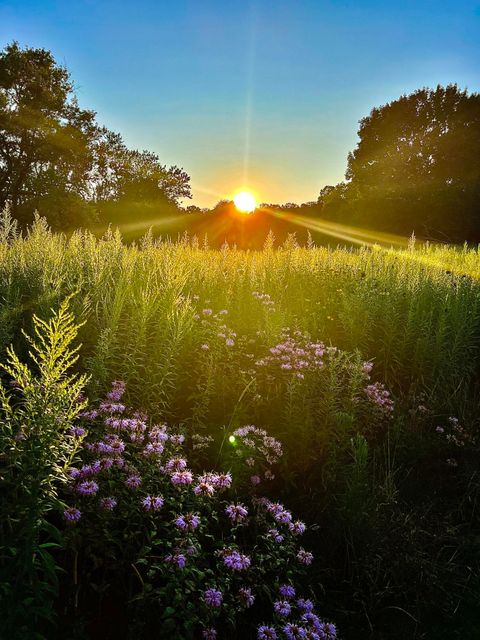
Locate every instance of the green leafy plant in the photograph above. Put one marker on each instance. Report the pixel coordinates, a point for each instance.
(38, 406)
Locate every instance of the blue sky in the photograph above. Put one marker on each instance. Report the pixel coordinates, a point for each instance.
(259, 93)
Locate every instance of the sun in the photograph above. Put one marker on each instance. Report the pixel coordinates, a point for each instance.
(245, 201)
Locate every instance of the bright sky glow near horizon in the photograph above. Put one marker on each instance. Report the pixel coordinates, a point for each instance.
(257, 94)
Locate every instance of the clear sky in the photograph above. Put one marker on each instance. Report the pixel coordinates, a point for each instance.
(259, 93)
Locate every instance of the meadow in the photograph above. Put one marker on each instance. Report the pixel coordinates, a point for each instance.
(361, 364)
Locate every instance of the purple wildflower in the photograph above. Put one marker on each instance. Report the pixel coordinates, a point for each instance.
(176, 464)
(294, 631)
(287, 591)
(72, 514)
(297, 528)
(236, 561)
(188, 522)
(152, 503)
(178, 559)
(246, 597)
(209, 634)
(77, 432)
(213, 598)
(87, 488)
(266, 633)
(304, 557)
(108, 503)
(236, 512)
(204, 489)
(305, 606)
(278, 537)
(282, 608)
(133, 481)
(182, 477)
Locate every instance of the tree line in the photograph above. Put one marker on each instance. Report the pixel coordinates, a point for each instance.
(416, 167)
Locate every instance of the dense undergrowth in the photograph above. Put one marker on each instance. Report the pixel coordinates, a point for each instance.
(362, 363)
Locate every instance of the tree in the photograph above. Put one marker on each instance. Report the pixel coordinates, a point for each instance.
(45, 138)
(418, 164)
(120, 174)
(428, 138)
(54, 157)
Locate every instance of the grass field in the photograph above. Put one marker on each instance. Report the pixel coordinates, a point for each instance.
(362, 362)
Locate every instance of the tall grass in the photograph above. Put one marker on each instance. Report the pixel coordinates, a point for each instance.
(415, 312)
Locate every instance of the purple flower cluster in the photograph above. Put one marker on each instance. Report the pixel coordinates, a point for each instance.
(295, 354)
(257, 441)
(72, 514)
(178, 559)
(127, 452)
(213, 598)
(152, 503)
(265, 299)
(378, 395)
(236, 512)
(235, 560)
(308, 625)
(246, 597)
(188, 522)
(454, 433)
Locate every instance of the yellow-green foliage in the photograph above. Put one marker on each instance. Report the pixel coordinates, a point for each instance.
(415, 311)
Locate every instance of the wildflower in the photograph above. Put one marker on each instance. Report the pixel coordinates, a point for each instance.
(178, 559)
(209, 634)
(152, 503)
(72, 514)
(77, 432)
(207, 312)
(282, 608)
(327, 631)
(278, 537)
(213, 598)
(182, 477)
(87, 488)
(118, 389)
(108, 503)
(439, 429)
(177, 438)
(266, 633)
(112, 407)
(452, 462)
(304, 557)
(205, 347)
(246, 597)
(176, 464)
(283, 516)
(133, 481)
(236, 512)
(297, 528)
(306, 606)
(294, 631)
(153, 449)
(204, 489)
(188, 522)
(255, 480)
(229, 342)
(223, 480)
(236, 561)
(287, 591)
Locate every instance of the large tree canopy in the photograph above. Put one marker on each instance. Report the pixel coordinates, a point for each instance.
(416, 168)
(428, 139)
(53, 155)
